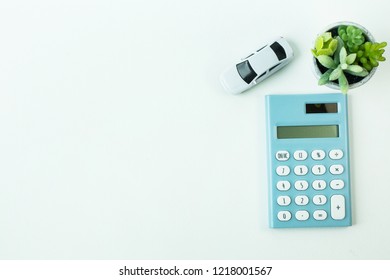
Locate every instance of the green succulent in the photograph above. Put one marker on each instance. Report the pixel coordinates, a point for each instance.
(342, 63)
(352, 36)
(325, 45)
(369, 54)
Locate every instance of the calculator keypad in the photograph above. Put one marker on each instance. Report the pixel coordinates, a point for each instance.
(313, 195)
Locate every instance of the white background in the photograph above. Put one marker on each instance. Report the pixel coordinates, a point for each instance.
(118, 142)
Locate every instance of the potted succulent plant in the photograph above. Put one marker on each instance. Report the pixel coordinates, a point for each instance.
(346, 56)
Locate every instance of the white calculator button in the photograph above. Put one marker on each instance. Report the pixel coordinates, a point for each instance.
(337, 207)
(300, 170)
(301, 185)
(302, 215)
(319, 199)
(283, 170)
(320, 215)
(336, 154)
(301, 200)
(300, 155)
(318, 154)
(284, 216)
(283, 200)
(336, 169)
(318, 169)
(282, 155)
(337, 184)
(319, 185)
(283, 185)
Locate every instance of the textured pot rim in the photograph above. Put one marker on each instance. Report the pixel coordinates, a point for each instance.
(317, 71)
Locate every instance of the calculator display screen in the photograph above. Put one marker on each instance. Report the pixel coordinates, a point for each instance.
(321, 108)
(307, 131)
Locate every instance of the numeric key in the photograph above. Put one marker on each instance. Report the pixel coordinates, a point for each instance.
(301, 200)
(283, 185)
(301, 185)
(300, 170)
(283, 200)
(318, 169)
(283, 170)
(284, 216)
(319, 199)
(319, 185)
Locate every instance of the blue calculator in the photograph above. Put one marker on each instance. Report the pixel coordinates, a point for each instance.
(308, 160)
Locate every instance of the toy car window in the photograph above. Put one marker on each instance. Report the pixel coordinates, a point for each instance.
(248, 56)
(279, 51)
(273, 67)
(246, 71)
(260, 76)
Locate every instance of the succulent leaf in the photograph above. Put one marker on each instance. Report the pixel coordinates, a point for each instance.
(363, 73)
(343, 55)
(327, 52)
(326, 61)
(324, 79)
(327, 36)
(352, 36)
(343, 83)
(336, 73)
(333, 45)
(319, 43)
(324, 45)
(369, 54)
(351, 58)
(340, 44)
(355, 68)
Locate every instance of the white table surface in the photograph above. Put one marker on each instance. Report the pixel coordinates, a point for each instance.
(118, 142)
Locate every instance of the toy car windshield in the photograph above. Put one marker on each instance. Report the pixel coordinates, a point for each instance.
(246, 71)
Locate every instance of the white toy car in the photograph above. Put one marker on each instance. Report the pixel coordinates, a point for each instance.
(257, 66)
